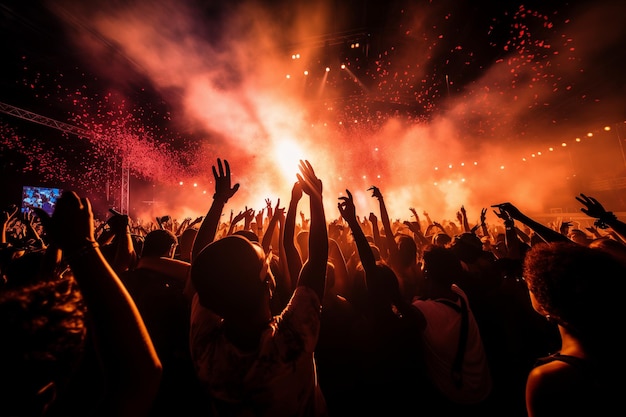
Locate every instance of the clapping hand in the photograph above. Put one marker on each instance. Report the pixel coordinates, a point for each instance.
(311, 185)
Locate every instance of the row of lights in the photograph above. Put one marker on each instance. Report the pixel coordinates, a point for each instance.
(327, 69)
(533, 155)
(462, 164)
(564, 144)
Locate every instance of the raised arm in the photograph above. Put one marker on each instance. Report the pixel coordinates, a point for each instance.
(512, 241)
(269, 235)
(348, 212)
(129, 361)
(543, 231)
(313, 273)
(605, 219)
(462, 218)
(223, 192)
(294, 262)
(239, 217)
(416, 227)
(5, 218)
(390, 240)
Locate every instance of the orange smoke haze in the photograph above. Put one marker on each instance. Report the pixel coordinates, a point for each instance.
(235, 81)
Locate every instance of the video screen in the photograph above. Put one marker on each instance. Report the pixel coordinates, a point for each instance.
(42, 197)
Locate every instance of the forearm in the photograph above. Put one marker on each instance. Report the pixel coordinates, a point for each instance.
(269, 234)
(313, 273)
(318, 235)
(208, 228)
(129, 359)
(544, 232)
(618, 227)
(125, 256)
(390, 240)
(363, 247)
(294, 263)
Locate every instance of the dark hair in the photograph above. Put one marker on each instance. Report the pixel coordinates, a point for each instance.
(442, 266)
(226, 275)
(407, 250)
(581, 287)
(158, 243)
(467, 246)
(248, 234)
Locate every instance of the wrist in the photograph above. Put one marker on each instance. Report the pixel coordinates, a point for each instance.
(605, 220)
(78, 252)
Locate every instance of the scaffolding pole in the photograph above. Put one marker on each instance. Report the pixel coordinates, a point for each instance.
(67, 128)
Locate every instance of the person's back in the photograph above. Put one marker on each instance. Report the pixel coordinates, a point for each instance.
(249, 361)
(238, 356)
(339, 351)
(159, 296)
(452, 340)
(580, 290)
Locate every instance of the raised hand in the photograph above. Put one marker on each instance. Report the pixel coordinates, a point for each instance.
(71, 226)
(512, 211)
(196, 221)
(8, 214)
(375, 192)
(347, 209)
(503, 214)
(592, 208)
(223, 189)
(240, 216)
(268, 205)
(564, 227)
(249, 216)
(414, 226)
(296, 191)
(311, 185)
(118, 223)
(259, 218)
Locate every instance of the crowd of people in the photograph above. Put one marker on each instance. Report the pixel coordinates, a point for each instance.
(274, 314)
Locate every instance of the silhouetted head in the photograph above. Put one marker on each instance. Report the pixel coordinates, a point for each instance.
(467, 247)
(159, 242)
(185, 243)
(612, 246)
(248, 234)
(581, 288)
(579, 237)
(441, 266)
(383, 286)
(441, 239)
(231, 276)
(407, 250)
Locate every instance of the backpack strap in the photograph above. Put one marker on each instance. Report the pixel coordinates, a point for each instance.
(457, 365)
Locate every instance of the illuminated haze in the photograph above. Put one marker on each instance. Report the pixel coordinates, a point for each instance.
(474, 117)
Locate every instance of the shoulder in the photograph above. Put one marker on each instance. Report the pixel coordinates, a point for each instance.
(557, 387)
(301, 317)
(560, 380)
